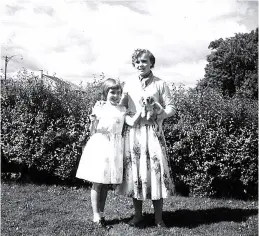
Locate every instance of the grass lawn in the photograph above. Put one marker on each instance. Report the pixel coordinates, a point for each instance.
(30, 209)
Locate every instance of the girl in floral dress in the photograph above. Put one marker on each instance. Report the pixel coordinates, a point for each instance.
(102, 159)
(146, 174)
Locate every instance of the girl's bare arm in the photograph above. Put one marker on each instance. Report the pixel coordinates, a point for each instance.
(133, 121)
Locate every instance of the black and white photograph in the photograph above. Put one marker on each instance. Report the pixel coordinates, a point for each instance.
(129, 117)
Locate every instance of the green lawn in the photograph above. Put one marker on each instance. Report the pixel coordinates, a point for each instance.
(30, 209)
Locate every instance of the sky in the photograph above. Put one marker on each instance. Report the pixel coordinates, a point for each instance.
(77, 40)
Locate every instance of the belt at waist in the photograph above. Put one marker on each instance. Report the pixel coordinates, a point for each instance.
(107, 133)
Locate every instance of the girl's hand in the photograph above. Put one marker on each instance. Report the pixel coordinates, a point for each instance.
(158, 109)
(83, 139)
(133, 121)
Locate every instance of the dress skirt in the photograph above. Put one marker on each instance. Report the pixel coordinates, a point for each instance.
(146, 174)
(101, 160)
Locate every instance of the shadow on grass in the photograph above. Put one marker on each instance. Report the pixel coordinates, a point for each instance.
(41, 179)
(194, 218)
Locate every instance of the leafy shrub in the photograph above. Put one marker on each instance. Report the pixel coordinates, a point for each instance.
(42, 125)
(212, 143)
(212, 140)
(233, 65)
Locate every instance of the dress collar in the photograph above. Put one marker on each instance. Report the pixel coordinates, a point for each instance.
(146, 80)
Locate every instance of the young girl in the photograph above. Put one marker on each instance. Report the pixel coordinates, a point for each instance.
(102, 159)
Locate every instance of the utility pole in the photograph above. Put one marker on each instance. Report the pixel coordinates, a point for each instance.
(7, 59)
(41, 74)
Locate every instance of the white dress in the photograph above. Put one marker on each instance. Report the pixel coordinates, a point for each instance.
(102, 157)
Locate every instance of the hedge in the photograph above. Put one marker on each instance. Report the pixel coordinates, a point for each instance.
(42, 126)
(211, 141)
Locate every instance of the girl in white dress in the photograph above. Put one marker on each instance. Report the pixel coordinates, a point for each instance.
(102, 159)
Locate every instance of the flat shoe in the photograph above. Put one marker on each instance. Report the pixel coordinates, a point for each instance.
(99, 223)
(103, 222)
(133, 222)
(161, 224)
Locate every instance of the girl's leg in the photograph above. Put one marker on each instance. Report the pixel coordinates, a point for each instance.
(103, 196)
(138, 212)
(158, 208)
(95, 199)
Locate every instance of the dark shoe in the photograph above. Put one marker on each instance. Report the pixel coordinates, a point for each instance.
(160, 224)
(135, 221)
(104, 224)
(102, 221)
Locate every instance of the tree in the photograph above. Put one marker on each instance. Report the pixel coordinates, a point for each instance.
(233, 64)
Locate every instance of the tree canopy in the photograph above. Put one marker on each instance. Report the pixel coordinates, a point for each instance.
(233, 64)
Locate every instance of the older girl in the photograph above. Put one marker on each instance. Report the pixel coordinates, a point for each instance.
(146, 171)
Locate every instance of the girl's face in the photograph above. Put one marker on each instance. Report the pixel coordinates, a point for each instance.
(114, 96)
(143, 64)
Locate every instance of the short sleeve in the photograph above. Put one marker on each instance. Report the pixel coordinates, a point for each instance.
(166, 95)
(97, 108)
(124, 99)
(124, 96)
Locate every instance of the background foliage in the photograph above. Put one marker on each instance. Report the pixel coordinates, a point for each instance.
(213, 143)
(43, 125)
(233, 65)
(212, 140)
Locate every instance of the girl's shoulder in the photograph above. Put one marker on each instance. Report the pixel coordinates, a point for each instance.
(158, 81)
(161, 85)
(100, 103)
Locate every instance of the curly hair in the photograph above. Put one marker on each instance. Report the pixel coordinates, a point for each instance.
(110, 84)
(138, 52)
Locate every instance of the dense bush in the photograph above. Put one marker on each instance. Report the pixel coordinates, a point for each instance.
(42, 125)
(212, 140)
(233, 65)
(213, 143)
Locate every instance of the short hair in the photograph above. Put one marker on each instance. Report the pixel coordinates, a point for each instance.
(138, 52)
(110, 84)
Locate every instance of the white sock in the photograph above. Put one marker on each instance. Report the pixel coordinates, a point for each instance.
(97, 217)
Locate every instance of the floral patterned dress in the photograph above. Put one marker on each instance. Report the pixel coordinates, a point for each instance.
(102, 157)
(146, 174)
